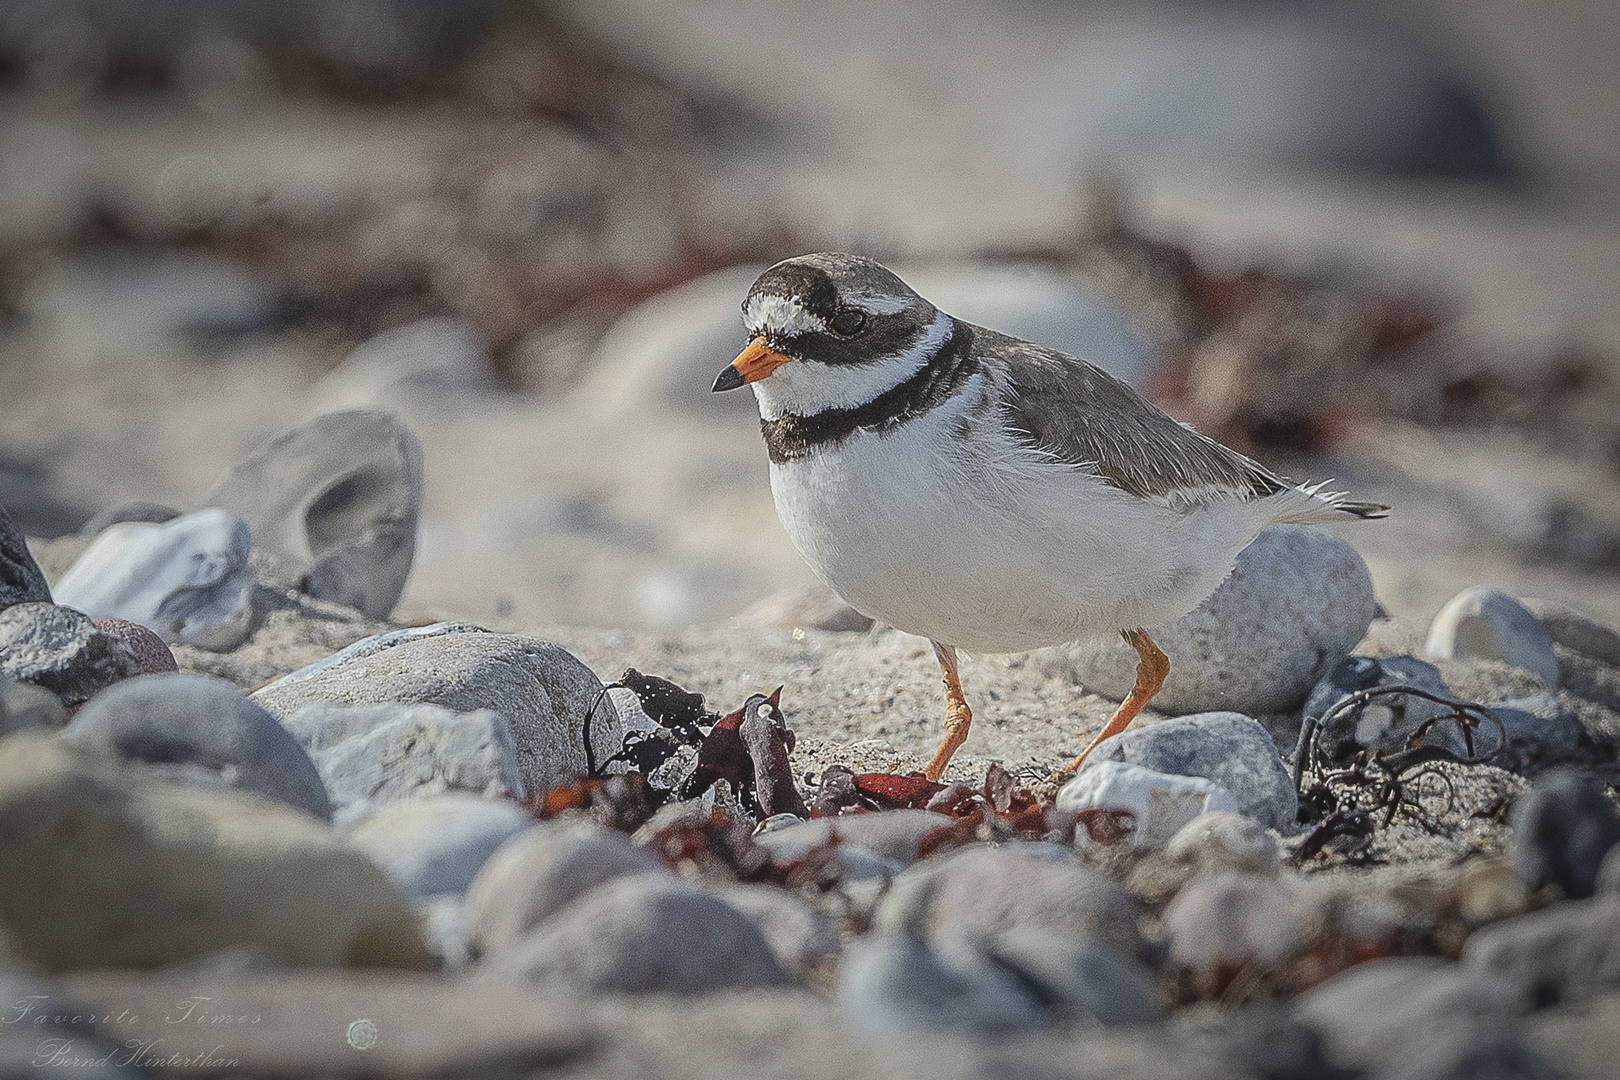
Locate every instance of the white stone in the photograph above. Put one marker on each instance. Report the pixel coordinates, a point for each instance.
(1162, 803)
(1487, 624)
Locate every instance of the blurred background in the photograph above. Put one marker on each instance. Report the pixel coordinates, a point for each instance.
(1376, 241)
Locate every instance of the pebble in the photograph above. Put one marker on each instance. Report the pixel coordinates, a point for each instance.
(1487, 624)
(188, 579)
(150, 650)
(89, 848)
(542, 690)
(1540, 732)
(1388, 721)
(1230, 750)
(1562, 953)
(1573, 630)
(1160, 803)
(21, 580)
(60, 650)
(891, 835)
(372, 755)
(1222, 922)
(1382, 1013)
(1562, 828)
(437, 845)
(193, 729)
(333, 505)
(981, 891)
(643, 934)
(1225, 841)
(805, 607)
(541, 871)
(893, 983)
(23, 706)
(430, 363)
(1299, 599)
(801, 938)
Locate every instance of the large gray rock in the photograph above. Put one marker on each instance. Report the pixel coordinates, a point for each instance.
(21, 580)
(432, 362)
(1299, 599)
(1226, 748)
(1160, 804)
(1488, 624)
(103, 866)
(644, 934)
(437, 845)
(541, 689)
(801, 938)
(334, 505)
(201, 731)
(60, 650)
(372, 755)
(188, 579)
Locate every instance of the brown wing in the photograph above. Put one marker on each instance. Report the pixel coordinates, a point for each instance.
(1080, 414)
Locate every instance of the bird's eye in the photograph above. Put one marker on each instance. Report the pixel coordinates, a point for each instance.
(849, 321)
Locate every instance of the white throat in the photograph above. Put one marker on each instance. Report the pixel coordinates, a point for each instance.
(804, 387)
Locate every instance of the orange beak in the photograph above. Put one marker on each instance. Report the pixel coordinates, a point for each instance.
(756, 362)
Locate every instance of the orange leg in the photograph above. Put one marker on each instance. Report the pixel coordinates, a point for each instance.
(957, 714)
(1150, 673)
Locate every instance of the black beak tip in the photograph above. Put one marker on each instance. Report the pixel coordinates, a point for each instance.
(728, 379)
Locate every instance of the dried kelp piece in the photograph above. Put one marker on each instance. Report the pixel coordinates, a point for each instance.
(670, 706)
(765, 735)
(837, 794)
(887, 791)
(718, 846)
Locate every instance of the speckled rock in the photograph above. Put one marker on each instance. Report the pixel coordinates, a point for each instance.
(21, 580)
(1228, 749)
(1299, 599)
(188, 579)
(1487, 624)
(1159, 803)
(437, 845)
(543, 692)
(103, 866)
(150, 650)
(60, 650)
(200, 731)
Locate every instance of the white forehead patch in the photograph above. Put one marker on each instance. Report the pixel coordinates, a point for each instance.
(766, 314)
(879, 303)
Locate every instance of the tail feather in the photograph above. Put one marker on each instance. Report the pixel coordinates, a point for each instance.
(1321, 507)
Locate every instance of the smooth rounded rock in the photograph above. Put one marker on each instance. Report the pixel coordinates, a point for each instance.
(540, 872)
(1488, 624)
(334, 505)
(890, 984)
(197, 730)
(1563, 953)
(21, 580)
(188, 579)
(372, 755)
(427, 363)
(1298, 600)
(103, 866)
(1562, 829)
(1083, 981)
(23, 706)
(150, 651)
(1230, 750)
(891, 835)
(801, 938)
(1225, 841)
(60, 650)
(1227, 920)
(1159, 803)
(541, 689)
(644, 934)
(437, 845)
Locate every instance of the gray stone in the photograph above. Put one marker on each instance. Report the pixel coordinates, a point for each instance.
(809, 607)
(1159, 803)
(372, 755)
(981, 891)
(334, 505)
(102, 865)
(890, 984)
(1573, 630)
(1228, 920)
(1299, 599)
(369, 646)
(1388, 721)
(21, 580)
(60, 650)
(433, 362)
(1223, 841)
(891, 835)
(196, 730)
(1381, 1012)
(1083, 982)
(1566, 952)
(438, 845)
(1562, 828)
(1487, 624)
(801, 938)
(1228, 749)
(540, 872)
(644, 934)
(541, 689)
(188, 579)
(1540, 732)
(23, 706)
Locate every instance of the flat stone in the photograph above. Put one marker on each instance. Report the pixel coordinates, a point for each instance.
(60, 650)
(1230, 750)
(1562, 829)
(1228, 920)
(150, 650)
(192, 729)
(1388, 721)
(437, 845)
(187, 579)
(541, 871)
(374, 1024)
(643, 934)
(1488, 624)
(892, 983)
(1159, 803)
(1299, 599)
(103, 866)
(542, 690)
(334, 505)
(807, 607)
(23, 706)
(430, 363)
(373, 755)
(21, 580)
